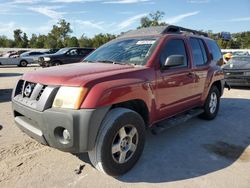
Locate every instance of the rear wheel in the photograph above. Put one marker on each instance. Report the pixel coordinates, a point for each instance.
(212, 104)
(23, 63)
(119, 143)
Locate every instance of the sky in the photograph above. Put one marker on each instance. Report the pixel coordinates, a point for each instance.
(91, 17)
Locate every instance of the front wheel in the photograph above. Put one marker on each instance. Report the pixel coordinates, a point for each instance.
(23, 63)
(119, 143)
(212, 104)
(56, 63)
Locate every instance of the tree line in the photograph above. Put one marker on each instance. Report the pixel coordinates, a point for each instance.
(60, 36)
(239, 41)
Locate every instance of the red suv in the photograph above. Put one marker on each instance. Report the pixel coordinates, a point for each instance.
(148, 78)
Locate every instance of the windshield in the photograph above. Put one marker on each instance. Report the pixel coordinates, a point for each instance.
(24, 54)
(125, 51)
(62, 51)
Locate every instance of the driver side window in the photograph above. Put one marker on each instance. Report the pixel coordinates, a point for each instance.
(174, 47)
(72, 52)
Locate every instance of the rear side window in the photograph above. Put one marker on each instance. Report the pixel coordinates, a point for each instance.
(84, 51)
(204, 53)
(214, 49)
(174, 47)
(198, 51)
(36, 53)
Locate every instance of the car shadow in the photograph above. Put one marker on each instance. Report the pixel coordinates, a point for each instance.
(5, 95)
(195, 148)
(240, 87)
(10, 74)
(83, 157)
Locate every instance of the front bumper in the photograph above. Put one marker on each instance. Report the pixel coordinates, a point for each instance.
(44, 63)
(46, 127)
(237, 77)
(238, 81)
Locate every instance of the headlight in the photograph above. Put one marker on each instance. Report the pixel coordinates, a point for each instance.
(46, 58)
(69, 97)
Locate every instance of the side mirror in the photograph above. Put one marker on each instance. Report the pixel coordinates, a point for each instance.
(174, 60)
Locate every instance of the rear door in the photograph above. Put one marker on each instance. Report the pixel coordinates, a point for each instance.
(174, 85)
(200, 62)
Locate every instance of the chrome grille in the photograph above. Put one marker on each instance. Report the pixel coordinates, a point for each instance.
(40, 97)
(28, 88)
(41, 92)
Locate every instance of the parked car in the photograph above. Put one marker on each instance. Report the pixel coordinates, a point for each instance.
(237, 71)
(29, 57)
(64, 56)
(7, 54)
(240, 53)
(12, 53)
(9, 61)
(153, 78)
(12, 58)
(16, 54)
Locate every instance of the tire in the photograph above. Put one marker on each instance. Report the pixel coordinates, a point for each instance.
(56, 63)
(23, 63)
(212, 104)
(46, 64)
(123, 129)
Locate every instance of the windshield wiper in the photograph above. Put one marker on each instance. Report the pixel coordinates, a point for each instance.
(101, 61)
(107, 61)
(114, 62)
(110, 61)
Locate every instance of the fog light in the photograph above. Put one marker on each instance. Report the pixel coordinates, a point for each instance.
(62, 135)
(66, 135)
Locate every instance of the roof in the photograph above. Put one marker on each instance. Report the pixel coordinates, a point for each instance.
(159, 30)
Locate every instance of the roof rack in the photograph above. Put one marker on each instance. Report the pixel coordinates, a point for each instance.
(161, 30)
(177, 29)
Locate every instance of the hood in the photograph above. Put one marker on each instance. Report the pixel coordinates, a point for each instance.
(237, 65)
(77, 74)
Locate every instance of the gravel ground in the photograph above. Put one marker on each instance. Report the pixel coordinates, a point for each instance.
(195, 154)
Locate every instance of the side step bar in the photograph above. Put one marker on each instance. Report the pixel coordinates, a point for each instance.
(176, 120)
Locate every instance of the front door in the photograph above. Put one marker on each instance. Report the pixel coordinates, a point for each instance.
(175, 84)
(72, 56)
